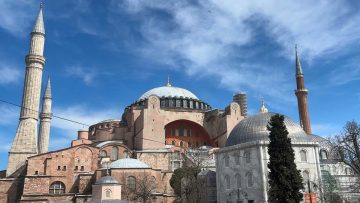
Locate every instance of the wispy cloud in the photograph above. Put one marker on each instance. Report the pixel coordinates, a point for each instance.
(86, 74)
(82, 114)
(16, 16)
(326, 129)
(210, 39)
(346, 73)
(9, 75)
(8, 114)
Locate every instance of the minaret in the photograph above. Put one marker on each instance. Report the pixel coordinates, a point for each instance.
(25, 141)
(45, 119)
(301, 94)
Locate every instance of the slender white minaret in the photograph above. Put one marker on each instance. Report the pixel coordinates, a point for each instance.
(45, 119)
(25, 141)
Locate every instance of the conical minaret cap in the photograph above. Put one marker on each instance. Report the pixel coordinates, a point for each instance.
(48, 90)
(297, 62)
(263, 108)
(39, 24)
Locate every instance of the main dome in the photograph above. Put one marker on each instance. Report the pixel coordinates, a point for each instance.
(169, 91)
(254, 128)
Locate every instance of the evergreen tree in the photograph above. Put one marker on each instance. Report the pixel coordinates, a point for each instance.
(284, 179)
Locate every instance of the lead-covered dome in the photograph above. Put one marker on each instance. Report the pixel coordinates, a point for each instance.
(254, 128)
(169, 91)
(128, 163)
(107, 180)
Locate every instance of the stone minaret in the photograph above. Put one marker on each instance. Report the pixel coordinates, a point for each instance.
(301, 94)
(25, 141)
(45, 119)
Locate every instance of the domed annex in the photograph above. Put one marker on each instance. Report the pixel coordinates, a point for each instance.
(254, 128)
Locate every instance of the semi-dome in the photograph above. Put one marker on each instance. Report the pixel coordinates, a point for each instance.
(107, 180)
(254, 128)
(169, 91)
(128, 163)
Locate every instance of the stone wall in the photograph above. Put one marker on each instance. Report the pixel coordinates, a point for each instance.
(10, 189)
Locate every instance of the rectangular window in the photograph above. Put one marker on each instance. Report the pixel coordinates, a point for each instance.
(64, 168)
(191, 104)
(36, 172)
(82, 168)
(181, 132)
(76, 168)
(178, 103)
(189, 132)
(173, 132)
(59, 168)
(185, 103)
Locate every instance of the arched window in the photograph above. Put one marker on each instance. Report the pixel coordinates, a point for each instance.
(303, 157)
(238, 180)
(237, 158)
(181, 144)
(103, 154)
(305, 175)
(114, 153)
(227, 182)
(226, 160)
(107, 193)
(131, 183)
(348, 171)
(189, 144)
(249, 179)
(126, 154)
(323, 154)
(247, 157)
(153, 184)
(173, 142)
(56, 188)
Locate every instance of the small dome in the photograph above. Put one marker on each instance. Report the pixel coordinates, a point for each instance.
(128, 163)
(254, 128)
(168, 91)
(107, 180)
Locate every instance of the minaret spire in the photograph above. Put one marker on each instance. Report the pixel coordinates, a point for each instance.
(45, 120)
(301, 94)
(39, 24)
(263, 108)
(25, 141)
(297, 62)
(168, 84)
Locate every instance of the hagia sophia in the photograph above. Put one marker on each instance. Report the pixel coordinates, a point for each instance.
(154, 136)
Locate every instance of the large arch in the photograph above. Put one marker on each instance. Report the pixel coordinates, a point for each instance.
(186, 134)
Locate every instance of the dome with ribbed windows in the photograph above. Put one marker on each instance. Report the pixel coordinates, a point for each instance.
(169, 91)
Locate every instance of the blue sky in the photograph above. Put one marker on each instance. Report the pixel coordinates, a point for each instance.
(102, 55)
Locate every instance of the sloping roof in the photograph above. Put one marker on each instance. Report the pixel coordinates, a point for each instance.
(128, 163)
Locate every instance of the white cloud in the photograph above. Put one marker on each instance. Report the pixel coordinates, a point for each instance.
(8, 114)
(325, 129)
(16, 16)
(9, 75)
(208, 38)
(81, 114)
(85, 74)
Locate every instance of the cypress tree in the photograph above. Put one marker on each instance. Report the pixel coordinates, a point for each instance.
(285, 180)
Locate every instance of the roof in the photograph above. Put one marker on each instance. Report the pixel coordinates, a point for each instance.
(39, 24)
(254, 128)
(128, 163)
(101, 144)
(107, 180)
(168, 91)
